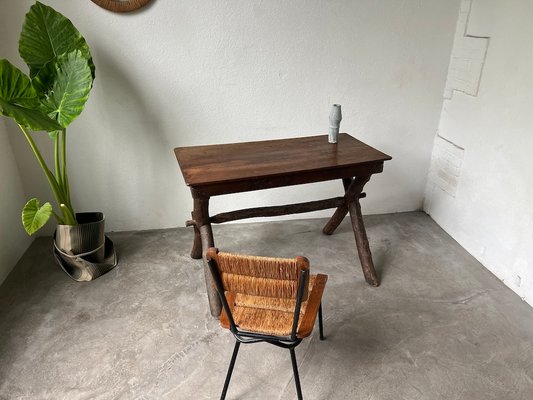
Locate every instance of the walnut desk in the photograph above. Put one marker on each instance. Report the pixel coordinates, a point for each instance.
(240, 167)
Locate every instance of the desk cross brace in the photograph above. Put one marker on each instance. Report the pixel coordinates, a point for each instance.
(274, 211)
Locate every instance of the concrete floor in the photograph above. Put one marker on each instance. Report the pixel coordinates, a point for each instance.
(439, 327)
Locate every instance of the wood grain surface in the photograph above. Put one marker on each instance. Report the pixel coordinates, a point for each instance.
(214, 164)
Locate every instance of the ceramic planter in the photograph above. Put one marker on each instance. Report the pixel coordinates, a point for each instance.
(83, 251)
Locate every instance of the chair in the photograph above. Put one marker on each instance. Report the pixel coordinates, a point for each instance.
(264, 299)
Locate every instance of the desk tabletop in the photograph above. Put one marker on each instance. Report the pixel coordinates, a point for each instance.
(214, 164)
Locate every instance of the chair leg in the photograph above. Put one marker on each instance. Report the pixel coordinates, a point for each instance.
(296, 375)
(320, 324)
(230, 369)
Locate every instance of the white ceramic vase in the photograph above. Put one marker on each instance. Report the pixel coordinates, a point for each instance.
(335, 117)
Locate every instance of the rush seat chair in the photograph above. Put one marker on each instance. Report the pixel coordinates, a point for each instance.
(265, 299)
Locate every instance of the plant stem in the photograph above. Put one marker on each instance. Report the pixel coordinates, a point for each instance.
(64, 176)
(51, 179)
(69, 218)
(58, 218)
(56, 160)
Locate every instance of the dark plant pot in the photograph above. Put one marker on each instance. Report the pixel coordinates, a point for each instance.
(83, 251)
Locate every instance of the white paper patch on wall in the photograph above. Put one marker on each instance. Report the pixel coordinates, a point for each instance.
(446, 164)
(468, 57)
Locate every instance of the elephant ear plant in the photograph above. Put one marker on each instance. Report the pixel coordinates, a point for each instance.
(61, 74)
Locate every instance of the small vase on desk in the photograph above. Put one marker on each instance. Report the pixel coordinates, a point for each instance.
(335, 117)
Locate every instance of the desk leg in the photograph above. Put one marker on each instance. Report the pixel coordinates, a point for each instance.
(339, 214)
(363, 248)
(201, 216)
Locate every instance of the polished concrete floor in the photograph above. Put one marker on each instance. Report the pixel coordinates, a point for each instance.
(439, 327)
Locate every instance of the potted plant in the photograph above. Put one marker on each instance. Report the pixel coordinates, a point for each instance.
(61, 74)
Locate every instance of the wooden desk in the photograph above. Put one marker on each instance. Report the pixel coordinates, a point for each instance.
(240, 167)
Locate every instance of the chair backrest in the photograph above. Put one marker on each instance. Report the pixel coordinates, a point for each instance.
(260, 276)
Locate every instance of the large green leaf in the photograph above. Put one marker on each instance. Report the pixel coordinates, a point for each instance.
(63, 87)
(34, 216)
(15, 85)
(47, 34)
(19, 100)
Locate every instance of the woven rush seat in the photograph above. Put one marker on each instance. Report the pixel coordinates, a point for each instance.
(274, 316)
(267, 299)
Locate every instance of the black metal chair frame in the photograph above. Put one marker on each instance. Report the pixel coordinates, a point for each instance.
(286, 342)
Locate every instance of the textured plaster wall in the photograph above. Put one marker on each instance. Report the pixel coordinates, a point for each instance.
(479, 188)
(186, 73)
(13, 239)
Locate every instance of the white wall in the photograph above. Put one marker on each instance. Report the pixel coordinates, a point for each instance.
(13, 240)
(479, 189)
(186, 73)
